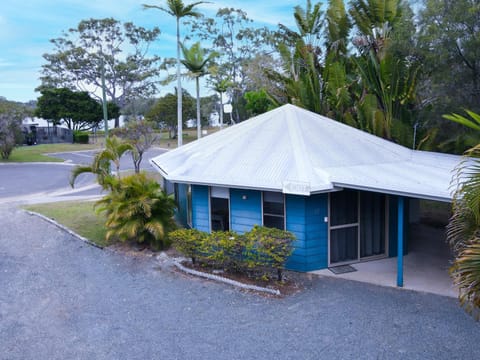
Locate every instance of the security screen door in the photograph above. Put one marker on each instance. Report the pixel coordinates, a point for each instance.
(343, 226)
(357, 226)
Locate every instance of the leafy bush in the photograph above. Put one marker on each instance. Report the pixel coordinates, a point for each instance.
(188, 242)
(224, 249)
(260, 249)
(138, 210)
(269, 247)
(80, 137)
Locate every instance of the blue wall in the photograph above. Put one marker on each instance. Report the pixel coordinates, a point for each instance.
(245, 213)
(305, 219)
(200, 208)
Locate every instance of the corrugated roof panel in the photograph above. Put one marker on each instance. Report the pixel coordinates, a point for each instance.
(291, 149)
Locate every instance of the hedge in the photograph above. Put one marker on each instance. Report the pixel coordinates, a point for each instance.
(80, 137)
(259, 249)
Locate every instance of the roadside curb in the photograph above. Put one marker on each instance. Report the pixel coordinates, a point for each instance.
(64, 228)
(224, 280)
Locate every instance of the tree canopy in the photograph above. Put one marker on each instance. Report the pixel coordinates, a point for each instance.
(74, 108)
(107, 46)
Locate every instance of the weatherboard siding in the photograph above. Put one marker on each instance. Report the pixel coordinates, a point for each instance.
(305, 219)
(200, 208)
(245, 209)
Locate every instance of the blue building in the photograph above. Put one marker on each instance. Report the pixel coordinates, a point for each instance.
(345, 194)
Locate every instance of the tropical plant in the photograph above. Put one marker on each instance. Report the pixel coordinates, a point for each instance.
(179, 10)
(137, 210)
(473, 123)
(463, 230)
(221, 86)
(196, 61)
(114, 149)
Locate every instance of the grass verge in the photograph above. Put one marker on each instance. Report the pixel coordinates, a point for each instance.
(36, 153)
(78, 216)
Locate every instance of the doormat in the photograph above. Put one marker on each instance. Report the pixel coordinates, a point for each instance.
(342, 269)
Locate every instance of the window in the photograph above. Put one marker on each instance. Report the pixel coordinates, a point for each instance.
(220, 209)
(273, 210)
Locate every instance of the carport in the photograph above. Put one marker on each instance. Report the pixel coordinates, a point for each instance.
(426, 263)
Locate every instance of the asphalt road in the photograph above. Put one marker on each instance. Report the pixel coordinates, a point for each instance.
(63, 299)
(33, 182)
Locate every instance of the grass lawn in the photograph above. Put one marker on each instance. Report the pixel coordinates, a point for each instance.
(36, 153)
(77, 216)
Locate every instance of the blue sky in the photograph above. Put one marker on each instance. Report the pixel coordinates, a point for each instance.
(27, 26)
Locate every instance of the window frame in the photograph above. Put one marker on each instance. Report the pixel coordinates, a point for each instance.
(284, 216)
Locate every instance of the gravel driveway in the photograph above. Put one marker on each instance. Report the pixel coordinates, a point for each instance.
(62, 299)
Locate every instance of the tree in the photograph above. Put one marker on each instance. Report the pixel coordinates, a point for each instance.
(75, 108)
(97, 46)
(163, 112)
(177, 9)
(140, 135)
(231, 34)
(258, 102)
(11, 116)
(196, 61)
(449, 46)
(301, 63)
(221, 86)
(464, 226)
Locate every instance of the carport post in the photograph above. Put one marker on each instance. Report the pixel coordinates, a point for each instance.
(400, 242)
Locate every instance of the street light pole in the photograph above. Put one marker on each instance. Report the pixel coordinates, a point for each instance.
(104, 98)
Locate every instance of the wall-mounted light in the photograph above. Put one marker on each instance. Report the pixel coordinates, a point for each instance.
(244, 197)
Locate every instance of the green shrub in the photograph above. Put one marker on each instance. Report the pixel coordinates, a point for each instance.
(259, 249)
(80, 137)
(188, 242)
(138, 210)
(223, 249)
(268, 247)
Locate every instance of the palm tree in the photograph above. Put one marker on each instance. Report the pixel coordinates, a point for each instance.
(463, 230)
(114, 149)
(137, 209)
(221, 86)
(196, 64)
(179, 10)
(375, 20)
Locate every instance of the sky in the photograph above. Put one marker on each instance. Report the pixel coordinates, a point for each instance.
(27, 26)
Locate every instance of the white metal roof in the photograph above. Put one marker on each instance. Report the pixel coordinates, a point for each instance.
(293, 150)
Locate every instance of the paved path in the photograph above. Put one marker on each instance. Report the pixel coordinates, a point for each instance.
(63, 299)
(46, 182)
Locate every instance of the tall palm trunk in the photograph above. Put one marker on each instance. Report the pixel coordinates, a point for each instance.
(179, 91)
(199, 122)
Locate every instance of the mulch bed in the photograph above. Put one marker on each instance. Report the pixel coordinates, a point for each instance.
(292, 282)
